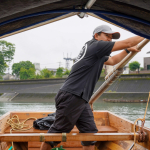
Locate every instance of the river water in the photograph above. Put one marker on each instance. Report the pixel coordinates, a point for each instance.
(130, 111)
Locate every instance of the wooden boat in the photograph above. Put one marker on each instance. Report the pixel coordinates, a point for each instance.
(114, 133)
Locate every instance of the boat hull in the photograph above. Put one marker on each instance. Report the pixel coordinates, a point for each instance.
(114, 133)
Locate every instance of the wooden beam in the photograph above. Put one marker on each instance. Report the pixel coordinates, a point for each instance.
(70, 137)
(122, 124)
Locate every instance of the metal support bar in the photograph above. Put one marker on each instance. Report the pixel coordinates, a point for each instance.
(87, 6)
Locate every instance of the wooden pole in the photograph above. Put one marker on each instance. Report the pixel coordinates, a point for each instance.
(114, 74)
(36, 137)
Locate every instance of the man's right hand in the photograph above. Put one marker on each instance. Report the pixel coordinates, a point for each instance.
(133, 49)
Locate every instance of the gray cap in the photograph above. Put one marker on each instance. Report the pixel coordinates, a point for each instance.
(106, 29)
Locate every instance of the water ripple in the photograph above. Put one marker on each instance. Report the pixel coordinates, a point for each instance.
(130, 111)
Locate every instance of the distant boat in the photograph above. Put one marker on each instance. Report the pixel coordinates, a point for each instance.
(124, 101)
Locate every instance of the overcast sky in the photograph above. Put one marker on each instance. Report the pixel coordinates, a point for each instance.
(48, 44)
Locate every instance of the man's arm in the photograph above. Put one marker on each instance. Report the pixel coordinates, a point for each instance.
(130, 42)
(117, 58)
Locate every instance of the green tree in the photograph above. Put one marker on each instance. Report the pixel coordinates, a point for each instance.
(1, 78)
(59, 72)
(67, 72)
(31, 73)
(2, 63)
(47, 73)
(38, 76)
(27, 73)
(23, 74)
(16, 67)
(134, 65)
(7, 51)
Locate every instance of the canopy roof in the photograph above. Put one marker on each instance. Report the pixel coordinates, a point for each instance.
(21, 15)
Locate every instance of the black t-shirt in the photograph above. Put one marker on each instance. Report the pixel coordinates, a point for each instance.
(87, 68)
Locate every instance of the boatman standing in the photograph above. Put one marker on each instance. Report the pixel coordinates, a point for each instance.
(72, 107)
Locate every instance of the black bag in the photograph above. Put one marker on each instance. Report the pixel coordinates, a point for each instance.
(44, 123)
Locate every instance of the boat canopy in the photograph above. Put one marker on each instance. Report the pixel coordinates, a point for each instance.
(21, 15)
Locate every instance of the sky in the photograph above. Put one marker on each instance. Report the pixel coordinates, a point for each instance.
(49, 44)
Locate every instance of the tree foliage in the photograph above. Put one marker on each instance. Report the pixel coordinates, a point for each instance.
(47, 73)
(16, 67)
(7, 51)
(134, 65)
(1, 78)
(3, 65)
(59, 72)
(38, 76)
(67, 72)
(27, 73)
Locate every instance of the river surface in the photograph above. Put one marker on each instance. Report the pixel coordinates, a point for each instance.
(130, 111)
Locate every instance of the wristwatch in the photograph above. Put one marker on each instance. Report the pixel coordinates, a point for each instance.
(127, 51)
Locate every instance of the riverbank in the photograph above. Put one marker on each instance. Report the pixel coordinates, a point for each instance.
(126, 83)
(126, 88)
(50, 97)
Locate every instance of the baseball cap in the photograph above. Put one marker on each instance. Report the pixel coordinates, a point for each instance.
(106, 29)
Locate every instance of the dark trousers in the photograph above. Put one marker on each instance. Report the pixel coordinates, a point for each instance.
(72, 110)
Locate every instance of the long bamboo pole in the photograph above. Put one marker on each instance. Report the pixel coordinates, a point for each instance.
(112, 76)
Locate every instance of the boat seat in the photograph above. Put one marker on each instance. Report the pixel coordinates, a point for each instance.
(101, 129)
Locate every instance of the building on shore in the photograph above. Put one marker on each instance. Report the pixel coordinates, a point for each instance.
(147, 63)
(126, 69)
(8, 76)
(37, 68)
(52, 69)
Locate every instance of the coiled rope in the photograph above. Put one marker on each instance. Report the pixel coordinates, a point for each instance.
(16, 125)
(143, 121)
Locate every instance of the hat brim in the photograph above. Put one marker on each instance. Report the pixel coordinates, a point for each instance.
(115, 35)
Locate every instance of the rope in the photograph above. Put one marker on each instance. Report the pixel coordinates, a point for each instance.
(142, 119)
(16, 125)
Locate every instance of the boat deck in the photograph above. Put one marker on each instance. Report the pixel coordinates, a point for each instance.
(112, 130)
(102, 128)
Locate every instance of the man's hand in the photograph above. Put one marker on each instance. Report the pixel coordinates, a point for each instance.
(133, 49)
(91, 105)
(117, 58)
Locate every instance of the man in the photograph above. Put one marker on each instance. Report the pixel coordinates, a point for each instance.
(72, 107)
